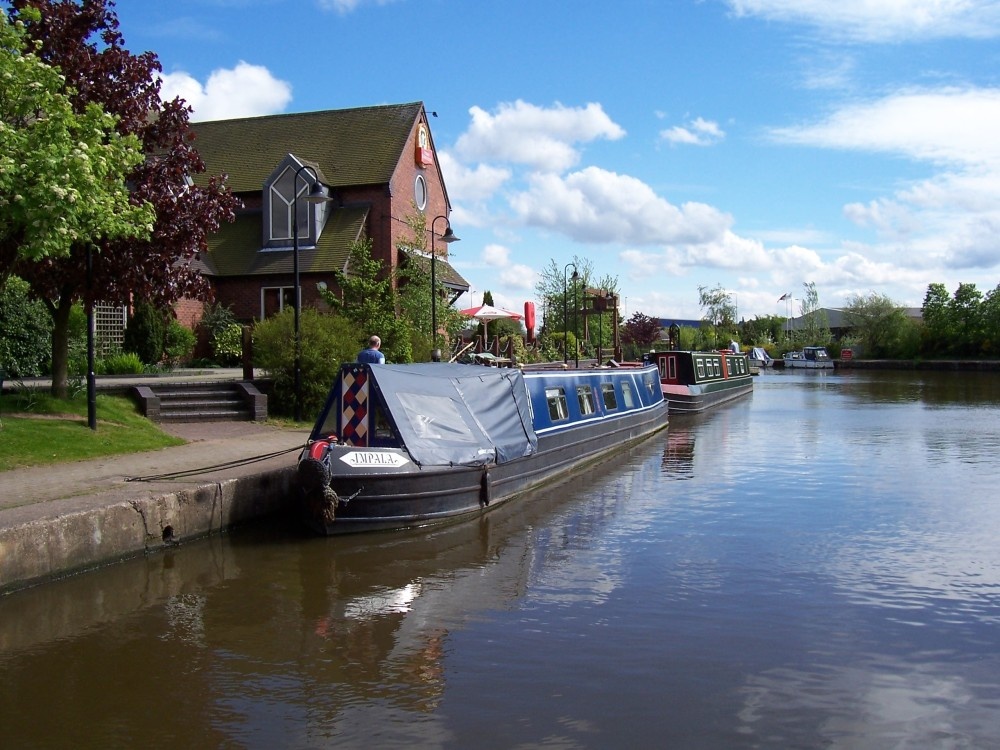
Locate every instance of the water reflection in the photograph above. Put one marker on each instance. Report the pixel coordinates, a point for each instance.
(816, 567)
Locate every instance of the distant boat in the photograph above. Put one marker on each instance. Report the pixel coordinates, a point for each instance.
(809, 358)
(400, 446)
(695, 381)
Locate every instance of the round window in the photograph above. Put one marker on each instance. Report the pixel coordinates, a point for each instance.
(420, 192)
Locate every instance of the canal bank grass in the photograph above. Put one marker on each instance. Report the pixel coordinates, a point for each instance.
(37, 429)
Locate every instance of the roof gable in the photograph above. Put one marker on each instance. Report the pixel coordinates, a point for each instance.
(360, 146)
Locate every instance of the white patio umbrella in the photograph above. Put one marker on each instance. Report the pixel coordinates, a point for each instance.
(486, 313)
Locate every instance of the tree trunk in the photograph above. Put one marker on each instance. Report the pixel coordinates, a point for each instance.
(60, 349)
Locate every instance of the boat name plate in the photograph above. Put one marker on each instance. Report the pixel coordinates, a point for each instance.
(367, 459)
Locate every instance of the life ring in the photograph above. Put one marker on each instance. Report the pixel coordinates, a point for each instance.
(319, 448)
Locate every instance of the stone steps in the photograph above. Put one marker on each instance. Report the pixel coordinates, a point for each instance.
(202, 402)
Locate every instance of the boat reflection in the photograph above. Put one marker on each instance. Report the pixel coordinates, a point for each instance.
(268, 622)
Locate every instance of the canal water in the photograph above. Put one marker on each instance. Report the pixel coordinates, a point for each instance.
(814, 567)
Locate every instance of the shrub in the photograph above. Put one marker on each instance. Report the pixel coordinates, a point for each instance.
(218, 321)
(227, 345)
(25, 331)
(146, 333)
(179, 344)
(122, 363)
(327, 341)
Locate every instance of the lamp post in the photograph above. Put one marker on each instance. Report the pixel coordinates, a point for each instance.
(91, 330)
(565, 317)
(317, 194)
(448, 237)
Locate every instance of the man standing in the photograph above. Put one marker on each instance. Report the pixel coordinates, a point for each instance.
(372, 355)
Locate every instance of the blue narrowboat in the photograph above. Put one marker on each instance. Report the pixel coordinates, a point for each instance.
(399, 446)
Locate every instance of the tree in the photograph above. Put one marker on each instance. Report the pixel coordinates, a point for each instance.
(24, 331)
(413, 285)
(939, 334)
(720, 311)
(368, 300)
(157, 268)
(640, 330)
(816, 327)
(878, 323)
(965, 311)
(561, 294)
(62, 172)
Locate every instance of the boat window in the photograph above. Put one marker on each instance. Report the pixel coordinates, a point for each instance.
(434, 417)
(627, 395)
(608, 394)
(715, 366)
(662, 362)
(699, 363)
(672, 369)
(556, 398)
(585, 395)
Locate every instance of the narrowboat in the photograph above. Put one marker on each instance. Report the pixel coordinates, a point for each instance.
(400, 446)
(809, 358)
(694, 381)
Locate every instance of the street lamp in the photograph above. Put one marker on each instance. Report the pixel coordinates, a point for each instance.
(448, 237)
(317, 194)
(565, 317)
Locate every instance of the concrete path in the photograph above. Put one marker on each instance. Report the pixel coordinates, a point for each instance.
(66, 517)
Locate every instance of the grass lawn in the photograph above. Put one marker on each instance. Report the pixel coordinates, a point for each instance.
(36, 429)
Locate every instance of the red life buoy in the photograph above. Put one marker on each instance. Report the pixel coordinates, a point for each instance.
(319, 448)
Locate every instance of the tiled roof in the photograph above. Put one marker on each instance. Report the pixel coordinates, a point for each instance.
(358, 146)
(444, 273)
(236, 248)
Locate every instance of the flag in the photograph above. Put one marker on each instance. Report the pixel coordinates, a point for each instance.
(784, 296)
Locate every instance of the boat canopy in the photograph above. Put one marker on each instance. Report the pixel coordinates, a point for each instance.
(760, 354)
(453, 414)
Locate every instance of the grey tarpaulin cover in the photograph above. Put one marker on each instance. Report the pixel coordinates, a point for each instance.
(451, 414)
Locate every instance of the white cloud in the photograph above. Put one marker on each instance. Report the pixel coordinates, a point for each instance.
(947, 126)
(343, 7)
(542, 138)
(699, 132)
(594, 206)
(882, 21)
(473, 184)
(244, 91)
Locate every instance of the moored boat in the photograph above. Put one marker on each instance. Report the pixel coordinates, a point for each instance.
(399, 446)
(759, 359)
(694, 381)
(809, 358)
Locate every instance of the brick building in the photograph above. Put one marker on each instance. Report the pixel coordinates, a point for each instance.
(379, 166)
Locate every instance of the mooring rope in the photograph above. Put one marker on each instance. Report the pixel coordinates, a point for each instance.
(214, 467)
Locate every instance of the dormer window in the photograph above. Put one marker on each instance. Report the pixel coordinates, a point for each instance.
(280, 191)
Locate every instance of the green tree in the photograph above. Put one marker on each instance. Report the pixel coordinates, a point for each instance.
(816, 327)
(24, 331)
(719, 311)
(561, 294)
(413, 285)
(938, 331)
(368, 300)
(156, 263)
(965, 310)
(62, 171)
(878, 323)
(991, 321)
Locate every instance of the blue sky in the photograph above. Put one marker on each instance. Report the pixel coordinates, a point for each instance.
(755, 145)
